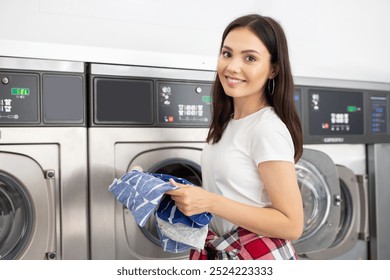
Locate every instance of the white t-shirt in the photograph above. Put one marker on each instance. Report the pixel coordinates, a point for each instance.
(229, 167)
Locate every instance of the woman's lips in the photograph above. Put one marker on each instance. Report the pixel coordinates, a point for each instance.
(233, 81)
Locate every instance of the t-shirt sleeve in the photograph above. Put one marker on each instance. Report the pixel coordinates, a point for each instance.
(272, 141)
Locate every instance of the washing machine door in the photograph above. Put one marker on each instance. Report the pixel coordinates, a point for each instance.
(15, 216)
(26, 209)
(181, 161)
(320, 189)
(353, 219)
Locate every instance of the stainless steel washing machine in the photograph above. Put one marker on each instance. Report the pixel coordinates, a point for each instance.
(43, 160)
(340, 120)
(152, 117)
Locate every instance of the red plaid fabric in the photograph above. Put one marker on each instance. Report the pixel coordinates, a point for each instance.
(241, 244)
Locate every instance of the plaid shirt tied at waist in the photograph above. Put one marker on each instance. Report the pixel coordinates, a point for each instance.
(241, 244)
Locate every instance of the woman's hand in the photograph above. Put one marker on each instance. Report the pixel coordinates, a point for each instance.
(189, 199)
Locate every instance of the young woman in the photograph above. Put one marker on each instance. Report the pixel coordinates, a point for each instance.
(249, 179)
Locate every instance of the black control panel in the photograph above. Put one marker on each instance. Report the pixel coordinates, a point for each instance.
(19, 98)
(183, 103)
(335, 112)
(37, 98)
(133, 101)
(336, 115)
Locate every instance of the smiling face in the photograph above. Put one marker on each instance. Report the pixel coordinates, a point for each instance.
(244, 66)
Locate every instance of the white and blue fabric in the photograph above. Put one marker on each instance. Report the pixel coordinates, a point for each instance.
(144, 194)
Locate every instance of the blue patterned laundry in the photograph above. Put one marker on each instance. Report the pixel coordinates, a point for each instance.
(167, 208)
(143, 192)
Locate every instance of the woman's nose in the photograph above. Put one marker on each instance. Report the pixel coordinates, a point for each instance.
(234, 65)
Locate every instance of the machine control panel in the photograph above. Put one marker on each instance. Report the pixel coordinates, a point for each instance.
(183, 103)
(378, 112)
(334, 113)
(19, 98)
(148, 102)
(338, 115)
(33, 98)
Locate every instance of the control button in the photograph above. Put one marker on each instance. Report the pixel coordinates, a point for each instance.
(198, 90)
(5, 80)
(166, 89)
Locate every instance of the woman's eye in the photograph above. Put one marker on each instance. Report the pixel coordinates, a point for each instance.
(226, 54)
(250, 58)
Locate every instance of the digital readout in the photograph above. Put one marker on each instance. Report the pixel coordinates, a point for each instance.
(20, 91)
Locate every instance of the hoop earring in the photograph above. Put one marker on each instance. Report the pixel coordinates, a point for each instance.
(271, 92)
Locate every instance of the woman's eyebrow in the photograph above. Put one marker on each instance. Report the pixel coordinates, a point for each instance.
(244, 51)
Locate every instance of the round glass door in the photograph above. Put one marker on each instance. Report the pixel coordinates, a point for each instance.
(320, 189)
(315, 197)
(351, 216)
(15, 217)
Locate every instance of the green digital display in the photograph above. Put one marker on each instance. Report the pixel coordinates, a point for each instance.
(207, 99)
(20, 91)
(351, 109)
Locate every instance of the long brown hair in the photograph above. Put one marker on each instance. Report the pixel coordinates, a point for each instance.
(281, 97)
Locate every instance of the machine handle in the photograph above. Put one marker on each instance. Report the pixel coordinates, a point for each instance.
(364, 223)
(51, 253)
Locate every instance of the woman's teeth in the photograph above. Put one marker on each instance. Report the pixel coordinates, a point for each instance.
(232, 80)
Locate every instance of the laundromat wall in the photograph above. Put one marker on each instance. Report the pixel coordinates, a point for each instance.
(328, 40)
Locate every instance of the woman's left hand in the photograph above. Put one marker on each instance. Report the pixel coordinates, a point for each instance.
(189, 199)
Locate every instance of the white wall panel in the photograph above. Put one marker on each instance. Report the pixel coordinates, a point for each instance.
(342, 39)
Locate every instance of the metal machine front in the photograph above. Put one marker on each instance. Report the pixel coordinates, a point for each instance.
(28, 199)
(343, 119)
(155, 118)
(43, 162)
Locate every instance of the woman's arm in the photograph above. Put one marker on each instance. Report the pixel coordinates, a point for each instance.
(284, 219)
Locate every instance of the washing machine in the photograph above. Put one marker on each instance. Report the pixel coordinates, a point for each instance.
(340, 120)
(156, 118)
(43, 160)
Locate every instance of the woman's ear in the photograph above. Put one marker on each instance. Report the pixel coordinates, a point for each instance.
(274, 71)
